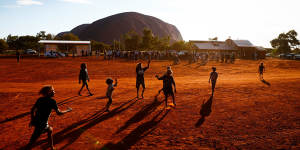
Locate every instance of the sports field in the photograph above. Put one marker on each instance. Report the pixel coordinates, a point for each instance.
(244, 113)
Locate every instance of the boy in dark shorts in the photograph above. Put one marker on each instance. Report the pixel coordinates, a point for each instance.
(40, 114)
(109, 91)
(168, 81)
(261, 70)
(140, 78)
(213, 78)
(84, 77)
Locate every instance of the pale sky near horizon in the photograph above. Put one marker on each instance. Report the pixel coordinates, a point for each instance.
(258, 21)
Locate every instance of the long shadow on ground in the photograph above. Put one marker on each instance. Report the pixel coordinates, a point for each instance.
(265, 82)
(65, 101)
(205, 111)
(139, 116)
(137, 134)
(71, 134)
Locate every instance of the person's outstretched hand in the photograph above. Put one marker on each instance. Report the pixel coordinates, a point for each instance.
(69, 109)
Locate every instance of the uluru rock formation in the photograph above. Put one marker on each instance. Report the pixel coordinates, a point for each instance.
(113, 27)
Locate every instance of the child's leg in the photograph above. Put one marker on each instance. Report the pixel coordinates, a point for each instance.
(173, 97)
(83, 84)
(143, 91)
(166, 99)
(108, 103)
(50, 138)
(137, 89)
(87, 87)
(213, 84)
(143, 85)
(35, 135)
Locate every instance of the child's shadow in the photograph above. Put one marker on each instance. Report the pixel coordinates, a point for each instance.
(265, 82)
(205, 111)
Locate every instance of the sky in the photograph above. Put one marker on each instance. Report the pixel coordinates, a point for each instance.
(258, 21)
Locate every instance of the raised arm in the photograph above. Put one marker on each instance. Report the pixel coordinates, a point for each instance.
(59, 112)
(116, 80)
(159, 78)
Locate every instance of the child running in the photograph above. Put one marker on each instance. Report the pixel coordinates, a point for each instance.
(109, 91)
(40, 114)
(213, 78)
(168, 81)
(261, 70)
(140, 78)
(84, 77)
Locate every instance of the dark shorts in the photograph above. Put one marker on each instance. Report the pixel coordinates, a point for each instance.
(40, 129)
(140, 82)
(168, 92)
(261, 72)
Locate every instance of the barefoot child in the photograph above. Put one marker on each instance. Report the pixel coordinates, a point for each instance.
(168, 81)
(140, 78)
(40, 114)
(109, 91)
(84, 77)
(213, 78)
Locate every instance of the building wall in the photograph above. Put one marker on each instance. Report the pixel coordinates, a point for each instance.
(82, 48)
(49, 47)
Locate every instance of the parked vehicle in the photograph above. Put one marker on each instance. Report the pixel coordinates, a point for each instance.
(287, 56)
(268, 55)
(297, 56)
(54, 54)
(30, 51)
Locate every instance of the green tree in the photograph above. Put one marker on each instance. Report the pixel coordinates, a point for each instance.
(41, 35)
(132, 41)
(147, 39)
(12, 42)
(67, 37)
(285, 42)
(27, 42)
(3, 45)
(99, 46)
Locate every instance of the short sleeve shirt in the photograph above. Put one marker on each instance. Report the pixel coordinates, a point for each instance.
(44, 107)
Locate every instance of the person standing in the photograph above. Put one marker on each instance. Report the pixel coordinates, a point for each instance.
(84, 77)
(18, 56)
(140, 78)
(109, 91)
(168, 81)
(213, 79)
(261, 70)
(40, 113)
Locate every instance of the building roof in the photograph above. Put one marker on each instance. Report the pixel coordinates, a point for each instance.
(63, 42)
(243, 43)
(260, 48)
(213, 45)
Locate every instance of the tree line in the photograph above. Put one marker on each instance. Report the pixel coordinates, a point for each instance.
(286, 43)
(129, 41)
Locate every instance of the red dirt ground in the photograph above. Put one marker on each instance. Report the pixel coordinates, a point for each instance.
(245, 112)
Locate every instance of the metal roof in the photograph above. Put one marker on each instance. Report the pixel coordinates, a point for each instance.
(63, 42)
(213, 46)
(243, 43)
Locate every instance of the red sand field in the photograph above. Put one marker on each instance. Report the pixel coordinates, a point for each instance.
(244, 113)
